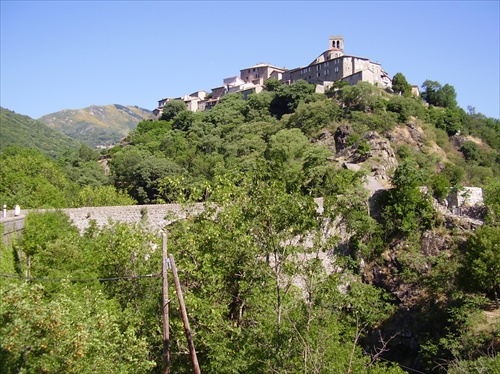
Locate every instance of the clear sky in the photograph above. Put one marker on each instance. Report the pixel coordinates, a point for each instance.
(72, 54)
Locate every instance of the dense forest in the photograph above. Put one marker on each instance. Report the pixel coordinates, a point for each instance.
(293, 266)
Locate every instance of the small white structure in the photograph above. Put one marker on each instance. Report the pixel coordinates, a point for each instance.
(466, 196)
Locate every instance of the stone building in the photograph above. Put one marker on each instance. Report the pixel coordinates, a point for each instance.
(194, 102)
(333, 65)
(330, 66)
(260, 73)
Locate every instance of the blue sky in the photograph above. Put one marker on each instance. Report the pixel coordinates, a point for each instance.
(69, 55)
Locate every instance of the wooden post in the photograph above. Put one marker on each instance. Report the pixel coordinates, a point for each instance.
(192, 351)
(166, 335)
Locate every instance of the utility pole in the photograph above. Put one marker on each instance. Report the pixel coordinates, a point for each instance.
(166, 334)
(192, 351)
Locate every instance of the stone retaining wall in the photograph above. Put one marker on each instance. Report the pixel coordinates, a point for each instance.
(155, 216)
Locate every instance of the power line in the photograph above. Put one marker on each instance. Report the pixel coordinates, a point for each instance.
(79, 280)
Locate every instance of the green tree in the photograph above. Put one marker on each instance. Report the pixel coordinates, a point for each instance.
(272, 84)
(147, 175)
(286, 150)
(313, 116)
(42, 230)
(471, 151)
(400, 85)
(227, 114)
(183, 120)
(88, 154)
(409, 210)
(123, 165)
(361, 97)
(172, 108)
(482, 261)
(259, 107)
(103, 196)
(31, 180)
(492, 200)
(287, 98)
(261, 298)
(79, 331)
(436, 94)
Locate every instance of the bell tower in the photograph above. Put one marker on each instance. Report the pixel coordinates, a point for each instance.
(337, 43)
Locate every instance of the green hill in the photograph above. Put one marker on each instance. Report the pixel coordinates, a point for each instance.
(25, 132)
(97, 126)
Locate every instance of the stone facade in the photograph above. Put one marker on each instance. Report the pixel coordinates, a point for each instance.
(260, 73)
(349, 68)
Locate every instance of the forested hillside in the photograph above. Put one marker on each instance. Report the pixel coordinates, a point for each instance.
(23, 131)
(376, 279)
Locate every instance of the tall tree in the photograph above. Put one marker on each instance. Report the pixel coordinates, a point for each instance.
(172, 108)
(400, 85)
(409, 210)
(31, 180)
(436, 94)
(482, 261)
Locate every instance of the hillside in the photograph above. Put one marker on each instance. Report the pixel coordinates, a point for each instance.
(25, 132)
(391, 268)
(96, 126)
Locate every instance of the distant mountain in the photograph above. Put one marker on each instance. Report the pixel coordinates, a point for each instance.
(25, 132)
(97, 126)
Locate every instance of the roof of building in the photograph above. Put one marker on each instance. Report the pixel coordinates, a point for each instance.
(262, 64)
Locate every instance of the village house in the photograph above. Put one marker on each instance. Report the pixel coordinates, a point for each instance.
(330, 66)
(333, 65)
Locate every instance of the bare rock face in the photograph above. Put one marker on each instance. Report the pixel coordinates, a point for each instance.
(382, 154)
(341, 136)
(327, 139)
(410, 135)
(380, 157)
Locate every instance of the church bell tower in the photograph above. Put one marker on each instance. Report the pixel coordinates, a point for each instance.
(337, 43)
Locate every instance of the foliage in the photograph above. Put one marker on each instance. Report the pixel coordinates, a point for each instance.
(313, 116)
(436, 94)
(492, 200)
(400, 85)
(242, 269)
(103, 196)
(79, 331)
(25, 132)
(408, 209)
(482, 261)
(363, 97)
(272, 84)
(172, 108)
(287, 98)
(31, 180)
(485, 364)
(146, 176)
(471, 151)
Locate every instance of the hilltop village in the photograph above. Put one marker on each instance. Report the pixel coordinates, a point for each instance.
(329, 67)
